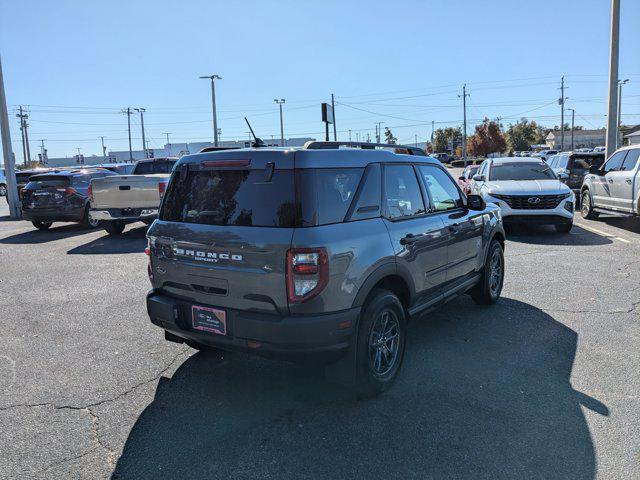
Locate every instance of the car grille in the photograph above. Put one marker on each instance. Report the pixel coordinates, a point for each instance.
(528, 202)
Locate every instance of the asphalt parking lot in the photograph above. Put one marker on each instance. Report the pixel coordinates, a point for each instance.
(545, 384)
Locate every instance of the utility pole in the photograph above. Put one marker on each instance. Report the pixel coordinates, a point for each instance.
(612, 131)
(561, 102)
(168, 144)
(42, 150)
(464, 128)
(335, 131)
(213, 105)
(104, 149)
(433, 127)
(24, 126)
(620, 84)
(7, 153)
(280, 102)
(416, 139)
(378, 131)
(349, 134)
(573, 117)
(127, 112)
(144, 143)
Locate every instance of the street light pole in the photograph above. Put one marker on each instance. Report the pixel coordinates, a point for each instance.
(104, 149)
(7, 153)
(213, 105)
(168, 143)
(612, 131)
(144, 143)
(280, 102)
(620, 84)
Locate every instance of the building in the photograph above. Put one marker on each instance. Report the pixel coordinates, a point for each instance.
(179, 149)
(76, 161)
(581, 139)
(632, 138)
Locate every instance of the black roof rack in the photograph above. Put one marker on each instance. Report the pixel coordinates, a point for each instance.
(217, 149)
(405, 149)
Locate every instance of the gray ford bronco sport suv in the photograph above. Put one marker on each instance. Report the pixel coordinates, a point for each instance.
(317, 254)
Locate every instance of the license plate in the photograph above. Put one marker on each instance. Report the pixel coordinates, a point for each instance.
(209, 320)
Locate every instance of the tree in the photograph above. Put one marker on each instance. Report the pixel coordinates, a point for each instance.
(388, 136)
(447, 139)
(487, 139)
(523, 134)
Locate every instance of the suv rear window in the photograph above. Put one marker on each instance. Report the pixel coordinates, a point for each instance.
(231, 197)
(148, 168)
(53, 181)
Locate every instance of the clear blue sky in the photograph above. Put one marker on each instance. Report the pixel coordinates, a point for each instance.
(402, 63)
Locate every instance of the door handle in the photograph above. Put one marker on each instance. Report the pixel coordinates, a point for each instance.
(454, 227)
(628, 180)
(410, 238)
(610, 180)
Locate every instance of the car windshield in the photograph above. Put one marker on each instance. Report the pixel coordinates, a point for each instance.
(521, 171)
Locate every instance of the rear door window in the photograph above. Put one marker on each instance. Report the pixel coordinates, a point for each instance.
(402, 192)
(325, 194)
(231, 197)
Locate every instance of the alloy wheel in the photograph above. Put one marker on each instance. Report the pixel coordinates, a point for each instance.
(384, 342)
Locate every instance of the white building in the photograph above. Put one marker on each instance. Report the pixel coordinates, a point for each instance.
(581, 139)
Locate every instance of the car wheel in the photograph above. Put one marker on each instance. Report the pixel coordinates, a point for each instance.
(564, 227)
(488, 290)
(586, 208)
(87, 221)
(3, 190)
(42, 225)
(381, 340)
(114, 228)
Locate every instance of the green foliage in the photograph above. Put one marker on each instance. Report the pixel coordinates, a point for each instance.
(523, 134)
(443, 137)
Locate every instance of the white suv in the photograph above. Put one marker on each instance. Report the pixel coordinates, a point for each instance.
(526, 190)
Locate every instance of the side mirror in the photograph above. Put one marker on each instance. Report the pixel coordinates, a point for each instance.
(461, 177)
(476, 202)
(563, 175)
(594, 169)
(478, 178)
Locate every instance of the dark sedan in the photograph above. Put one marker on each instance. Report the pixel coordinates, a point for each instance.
(60, 197)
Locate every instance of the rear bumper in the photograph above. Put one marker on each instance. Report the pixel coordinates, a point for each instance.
(58, 214)
(310, 338)
(127, 215)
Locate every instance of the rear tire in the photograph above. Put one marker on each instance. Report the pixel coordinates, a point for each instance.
(87, 222)
(586, 208)
(42, 225)
(564, 227)
(381, 339)
(114, 228)
(3, 190)
(488, 290)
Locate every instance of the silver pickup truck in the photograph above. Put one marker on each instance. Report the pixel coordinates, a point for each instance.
(613, 187)
(122, 199)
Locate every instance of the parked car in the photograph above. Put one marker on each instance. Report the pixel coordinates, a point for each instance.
(317, 254)
(442, 157)
(613, 187)
(3, 184)
(464, 180)
(545, 154)
(119, 168)
(59, 197)
(600, 148)
(526, 190)
(571, 167)
(122, 199)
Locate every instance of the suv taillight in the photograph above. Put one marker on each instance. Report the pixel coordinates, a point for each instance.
(69, 191)
(307, 273)
(162, 187)
(90, 193)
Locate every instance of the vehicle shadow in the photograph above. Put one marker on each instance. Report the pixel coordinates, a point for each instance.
(43, 236)
(484, 393)
(547, 235)
(629, 224)
(133, 240)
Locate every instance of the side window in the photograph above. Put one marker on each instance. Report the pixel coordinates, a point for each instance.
(483, 169)
(631, 160)
(615, 162)
(563, 160)
(402, 192)
(552, 161)
(81, 181)
(368, 203)
(444, 193)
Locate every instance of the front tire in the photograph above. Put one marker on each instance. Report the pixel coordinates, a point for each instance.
(3, 190)
(114, 228)
(381, 341)
(586, 208)
(42, 225)
(488, 290)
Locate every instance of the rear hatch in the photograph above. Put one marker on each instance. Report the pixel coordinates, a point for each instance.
(46, 191)
(224, 229)
(127, 191)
